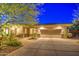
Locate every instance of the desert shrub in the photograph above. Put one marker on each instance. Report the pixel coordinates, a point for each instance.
(13, 42)
(10, 40)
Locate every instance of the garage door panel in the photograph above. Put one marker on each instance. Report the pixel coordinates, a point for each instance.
(50, 36)
(51, 32)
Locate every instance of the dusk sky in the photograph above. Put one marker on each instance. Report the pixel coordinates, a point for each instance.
(57, 13)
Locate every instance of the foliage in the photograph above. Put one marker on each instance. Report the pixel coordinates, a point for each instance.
(20, 11)
(13, 42)
(10, 40)
(75, 25)
(75, 22)
(16, 11)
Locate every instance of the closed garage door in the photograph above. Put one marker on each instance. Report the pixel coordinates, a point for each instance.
(50, 33)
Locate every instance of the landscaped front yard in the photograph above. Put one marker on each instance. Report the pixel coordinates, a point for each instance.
(9, 44)
(7, 50)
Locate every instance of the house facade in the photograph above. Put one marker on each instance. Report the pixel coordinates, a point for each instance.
(51, 30)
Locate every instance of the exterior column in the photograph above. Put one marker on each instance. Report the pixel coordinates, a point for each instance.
(28, 32)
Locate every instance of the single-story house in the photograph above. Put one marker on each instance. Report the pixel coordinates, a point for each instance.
(21, 29)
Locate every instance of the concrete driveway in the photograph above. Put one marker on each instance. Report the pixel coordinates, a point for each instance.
(49, 47)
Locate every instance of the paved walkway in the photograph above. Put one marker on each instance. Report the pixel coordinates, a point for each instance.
(49, 47)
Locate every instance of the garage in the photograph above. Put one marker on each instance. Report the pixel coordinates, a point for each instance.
(50, 33)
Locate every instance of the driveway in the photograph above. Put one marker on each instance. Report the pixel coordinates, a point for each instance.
(49, 47)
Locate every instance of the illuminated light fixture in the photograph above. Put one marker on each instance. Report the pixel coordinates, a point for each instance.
(58, 27)
(41, 28)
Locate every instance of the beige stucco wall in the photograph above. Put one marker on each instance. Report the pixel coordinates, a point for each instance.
(19, 30)
(16, 30)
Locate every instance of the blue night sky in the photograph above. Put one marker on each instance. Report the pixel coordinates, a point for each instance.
(57, 13)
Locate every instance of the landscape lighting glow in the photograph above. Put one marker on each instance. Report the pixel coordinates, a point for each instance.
(42, 28)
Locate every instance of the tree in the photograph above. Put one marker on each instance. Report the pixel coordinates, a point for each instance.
(14, 10)
(20, 12)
